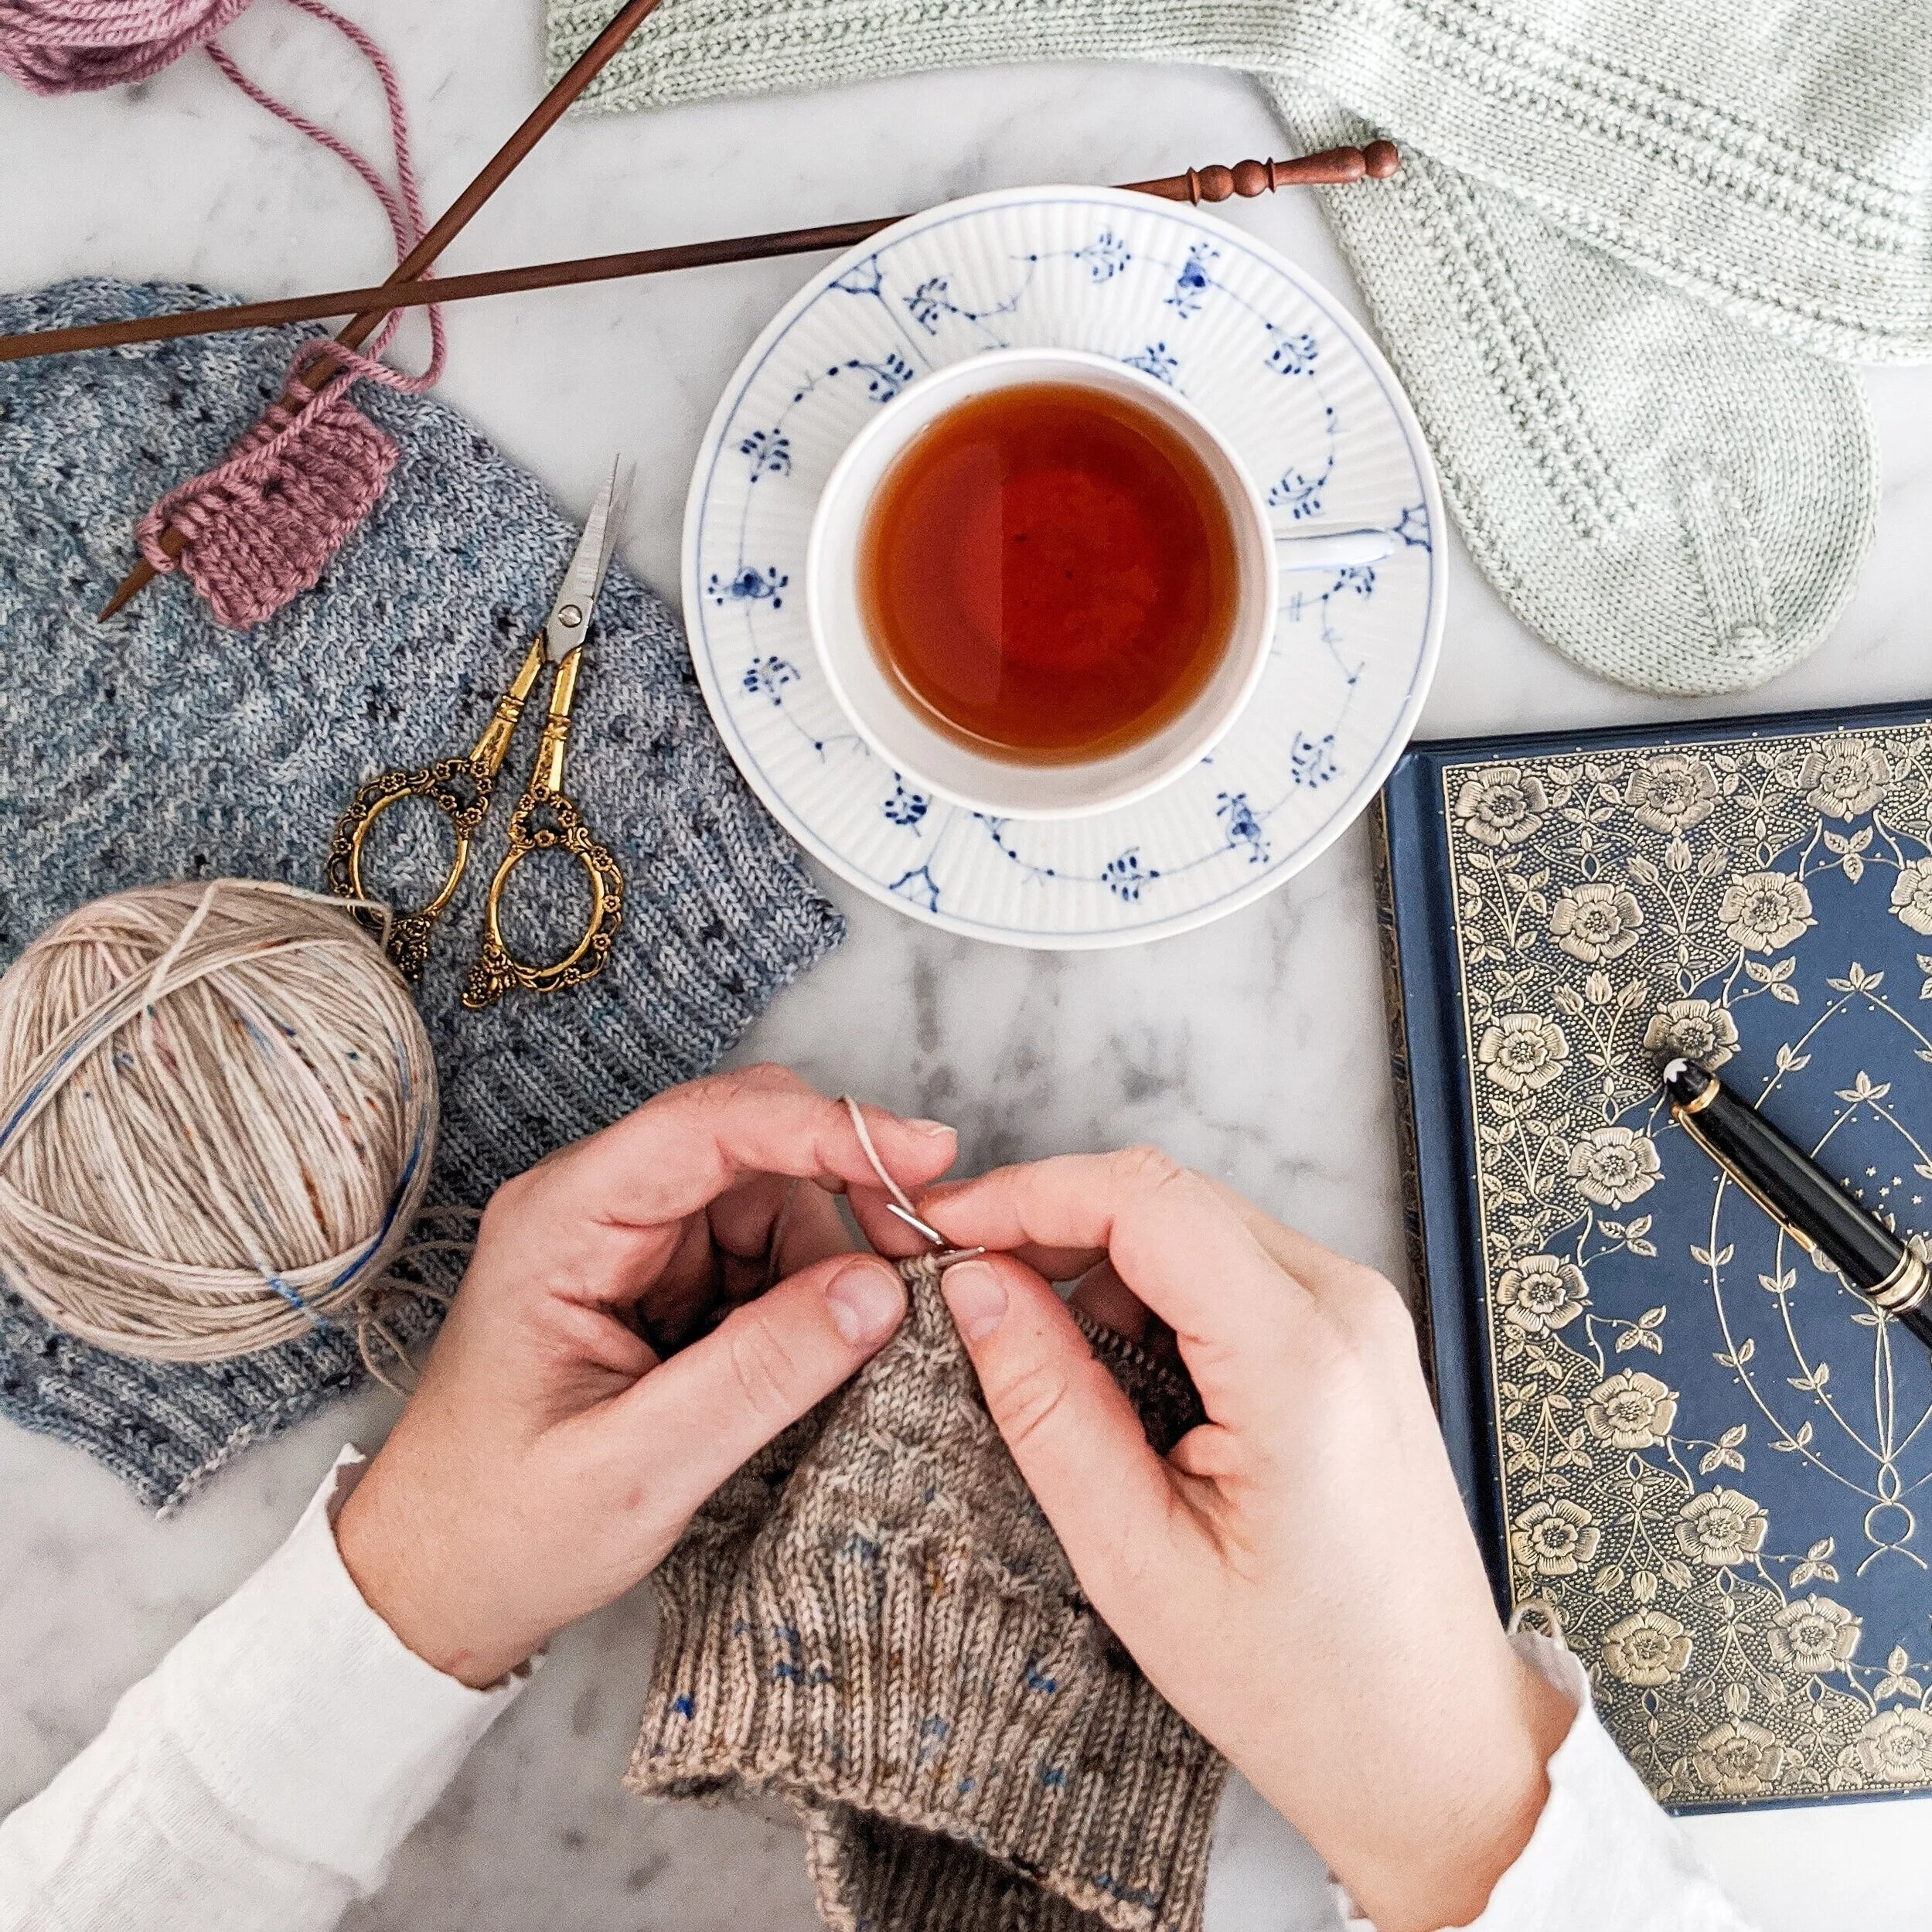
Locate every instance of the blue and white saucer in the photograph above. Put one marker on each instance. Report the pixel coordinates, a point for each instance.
(1270, 358)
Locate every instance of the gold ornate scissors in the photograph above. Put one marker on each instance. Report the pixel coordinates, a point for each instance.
(546, 818)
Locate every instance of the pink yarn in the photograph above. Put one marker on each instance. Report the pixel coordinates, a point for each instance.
(69, 47)
(262, 524)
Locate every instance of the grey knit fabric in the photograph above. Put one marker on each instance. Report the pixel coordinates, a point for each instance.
(1624, 238)
(159, 746)
(874, 1621)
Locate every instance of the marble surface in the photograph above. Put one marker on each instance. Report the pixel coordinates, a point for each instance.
(1254, 1049)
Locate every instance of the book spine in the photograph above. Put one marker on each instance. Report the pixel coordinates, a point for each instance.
(1424, 1002)
(1395, 1015)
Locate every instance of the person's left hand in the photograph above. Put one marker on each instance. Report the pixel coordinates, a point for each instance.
(553, 1454)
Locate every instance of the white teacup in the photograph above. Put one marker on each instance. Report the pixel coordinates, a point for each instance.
(929, 758)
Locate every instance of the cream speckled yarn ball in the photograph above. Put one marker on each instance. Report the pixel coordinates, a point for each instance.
(217, 1120)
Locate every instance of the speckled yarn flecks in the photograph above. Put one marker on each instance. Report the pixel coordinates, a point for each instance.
(873, 1620)
(161, 746)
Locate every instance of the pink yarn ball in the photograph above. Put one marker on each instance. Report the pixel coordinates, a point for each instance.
(69, 46)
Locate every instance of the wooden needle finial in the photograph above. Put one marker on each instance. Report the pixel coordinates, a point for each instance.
(1332, 167)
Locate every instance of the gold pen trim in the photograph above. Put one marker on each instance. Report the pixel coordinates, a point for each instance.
(1683, 1108)
(1905, 1288)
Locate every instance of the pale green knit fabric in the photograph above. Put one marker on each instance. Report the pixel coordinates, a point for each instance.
(1626, 237)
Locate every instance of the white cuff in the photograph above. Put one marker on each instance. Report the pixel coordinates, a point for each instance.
(264, 1774)
(306, 1719)
(1603, 1852)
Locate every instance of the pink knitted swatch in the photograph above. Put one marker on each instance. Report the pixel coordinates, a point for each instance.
(262, 524)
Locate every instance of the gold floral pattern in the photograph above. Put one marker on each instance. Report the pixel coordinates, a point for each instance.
(1555, 1540)
(1609, 911)
(1615, 1166)
(1631, 1410)
(1523, 1052)
(1739, 1760)
(1502, 808)
(1596, 921)
(1764, 911)
(1701, 1030)
(1721, 1527)
(1895, 1747)
(1671, 792)
(1814, 1635)
(1649, 1650)
(1540, 1293)
(1847, 777)
(1912, 895)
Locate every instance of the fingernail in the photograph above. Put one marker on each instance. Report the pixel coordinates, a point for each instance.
(866, 1299)
(972, 1292)
(933, 1128)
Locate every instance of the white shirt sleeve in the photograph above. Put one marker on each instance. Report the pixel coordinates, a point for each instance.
(1603, 1852)
(263, 1776)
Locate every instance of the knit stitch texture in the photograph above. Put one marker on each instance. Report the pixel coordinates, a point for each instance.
(874, 1619)
(160, 746)
(1620, 240)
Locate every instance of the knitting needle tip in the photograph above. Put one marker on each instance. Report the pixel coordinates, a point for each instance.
(913, 1222)
(130, 586)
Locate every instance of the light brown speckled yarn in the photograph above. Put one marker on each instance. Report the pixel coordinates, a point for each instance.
(874, 1619)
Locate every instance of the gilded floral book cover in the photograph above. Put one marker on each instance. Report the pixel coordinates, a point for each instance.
(1701, 1456)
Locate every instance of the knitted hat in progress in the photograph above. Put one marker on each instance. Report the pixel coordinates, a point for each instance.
(874, 1619)
(159, 746)
(1623, 242)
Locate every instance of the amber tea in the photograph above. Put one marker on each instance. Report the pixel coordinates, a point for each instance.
(1049, 573)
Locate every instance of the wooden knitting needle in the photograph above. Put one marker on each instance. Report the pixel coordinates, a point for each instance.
(495, 172)
(1333, 166)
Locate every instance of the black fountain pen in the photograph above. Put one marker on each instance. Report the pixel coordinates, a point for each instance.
(1797, 1193)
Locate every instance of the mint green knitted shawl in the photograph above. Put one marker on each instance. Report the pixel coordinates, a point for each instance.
(1620, 274)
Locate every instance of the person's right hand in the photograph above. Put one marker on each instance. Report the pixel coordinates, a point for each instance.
(1297, 1576)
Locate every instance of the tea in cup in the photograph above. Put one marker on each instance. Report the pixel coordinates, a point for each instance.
(1041, 584)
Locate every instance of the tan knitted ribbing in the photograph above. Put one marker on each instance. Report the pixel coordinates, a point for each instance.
(872, 1875)
(875, 1620)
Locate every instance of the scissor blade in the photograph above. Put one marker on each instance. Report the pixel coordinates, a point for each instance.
(623, 475)
(570, 617)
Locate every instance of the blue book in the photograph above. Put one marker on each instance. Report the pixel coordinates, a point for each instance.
(1700, 1456)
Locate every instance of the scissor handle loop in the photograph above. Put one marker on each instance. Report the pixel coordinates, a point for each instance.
(409, 932)
(497, 970)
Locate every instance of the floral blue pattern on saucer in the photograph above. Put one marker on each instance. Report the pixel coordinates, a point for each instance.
(1270, 358)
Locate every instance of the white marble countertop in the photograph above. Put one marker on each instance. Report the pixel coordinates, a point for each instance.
(1254, 1048)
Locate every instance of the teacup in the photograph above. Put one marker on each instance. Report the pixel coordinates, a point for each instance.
(930, 759)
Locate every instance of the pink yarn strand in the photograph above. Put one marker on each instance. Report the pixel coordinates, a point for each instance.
(263, 524)
(405, 215)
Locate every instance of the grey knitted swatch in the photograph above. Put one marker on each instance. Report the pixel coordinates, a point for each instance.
(1624, 241)
(158, 746)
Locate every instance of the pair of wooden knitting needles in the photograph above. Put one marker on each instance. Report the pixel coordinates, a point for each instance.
(410, 287)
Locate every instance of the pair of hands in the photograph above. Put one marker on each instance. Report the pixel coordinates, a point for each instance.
(1297, 1576)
